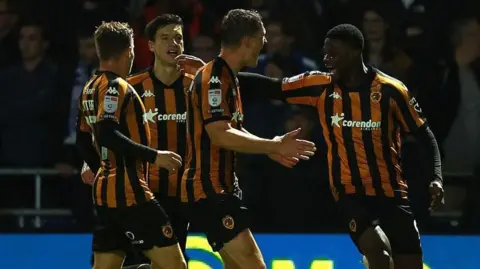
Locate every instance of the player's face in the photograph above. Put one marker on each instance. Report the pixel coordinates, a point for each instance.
(338, 57)
(168, 44)
(254, 46)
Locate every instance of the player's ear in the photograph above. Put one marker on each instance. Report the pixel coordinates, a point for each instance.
(246, 42)
(151, 46)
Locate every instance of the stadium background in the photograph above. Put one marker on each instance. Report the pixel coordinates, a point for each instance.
(432, 45)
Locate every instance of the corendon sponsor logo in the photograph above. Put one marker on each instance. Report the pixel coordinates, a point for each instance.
(338, 121)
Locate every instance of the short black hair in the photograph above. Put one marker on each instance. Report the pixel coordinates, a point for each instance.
(36, 23)
(112, 39)
(349, 34)
(239, 23)
(159, 22)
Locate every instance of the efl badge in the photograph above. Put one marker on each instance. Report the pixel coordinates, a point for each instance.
(167, 231)
(353, 226)
(110, 104)
(214, 97)
(375, 97)
(228, 222)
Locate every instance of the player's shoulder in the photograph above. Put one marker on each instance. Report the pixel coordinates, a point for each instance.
(312, 77)
(113, 84)
(392, 83)
(217, 68)
(138, 77)
(187, 79)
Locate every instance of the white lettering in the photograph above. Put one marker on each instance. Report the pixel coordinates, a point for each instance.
(338, 120)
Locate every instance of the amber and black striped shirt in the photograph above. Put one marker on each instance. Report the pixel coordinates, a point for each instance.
(121, 180)
(214, 96)
(362, 129)
(166, 114)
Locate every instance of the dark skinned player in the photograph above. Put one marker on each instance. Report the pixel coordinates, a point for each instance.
(363, 113)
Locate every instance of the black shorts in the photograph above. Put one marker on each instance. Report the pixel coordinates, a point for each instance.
(394, 216)
(221, 218)
(177, 213)
(143, 226)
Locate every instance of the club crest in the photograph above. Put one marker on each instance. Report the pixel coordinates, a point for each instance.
(375, 97)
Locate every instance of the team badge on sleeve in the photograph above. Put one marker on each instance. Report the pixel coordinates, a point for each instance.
(214, 97)
(110, 104)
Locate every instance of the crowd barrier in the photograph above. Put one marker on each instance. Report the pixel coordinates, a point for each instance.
(58, 251)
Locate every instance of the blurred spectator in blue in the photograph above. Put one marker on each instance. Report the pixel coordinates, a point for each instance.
(279, 50)
(31, 126)
(9, 52)
(28, 125)
(87, 65)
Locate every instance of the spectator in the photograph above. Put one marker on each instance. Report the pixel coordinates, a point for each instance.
(29, 86)
(87, 65)
(380, 50)
(459, 100)
(457, 115)
(282, 54)
(9, 53)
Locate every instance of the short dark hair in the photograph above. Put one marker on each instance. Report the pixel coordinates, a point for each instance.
(159, 22)
(112, 39)
(36, 23)
(349, 34)
(239, 23)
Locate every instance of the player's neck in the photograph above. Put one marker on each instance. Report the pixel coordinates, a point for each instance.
(166, 74)
(231, 57)
(110, 66)
(356, 76)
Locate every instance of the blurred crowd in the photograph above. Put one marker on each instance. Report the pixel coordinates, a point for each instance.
(47, 53)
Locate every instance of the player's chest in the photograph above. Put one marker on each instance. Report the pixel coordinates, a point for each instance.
(364, 110)
(164, 105)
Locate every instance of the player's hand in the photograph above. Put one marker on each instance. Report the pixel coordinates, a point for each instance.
(287, 162)
(291, 147)
(168, 160)
(188, 64)
(88, 177)
(436, 195)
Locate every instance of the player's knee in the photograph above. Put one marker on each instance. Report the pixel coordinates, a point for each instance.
(180, 265)
(261, 265)
(374, 240)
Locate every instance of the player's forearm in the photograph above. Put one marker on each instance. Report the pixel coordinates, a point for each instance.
(87, 150)
(426, 137)
(111, 138)
(240, 141)
(258, 86)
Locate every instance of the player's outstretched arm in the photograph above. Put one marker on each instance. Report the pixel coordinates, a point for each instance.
(260, 87)
(224, 135)
(289, 162)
